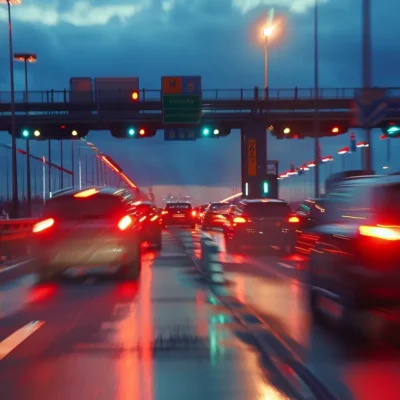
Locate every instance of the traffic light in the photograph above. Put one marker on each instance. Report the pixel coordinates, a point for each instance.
(134, 131)
(265, 189)
(391, 129)
(300, 129)
(135, 95)
(38, 131)
(211, 131)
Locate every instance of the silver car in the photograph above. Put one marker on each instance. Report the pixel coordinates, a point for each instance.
(88, 228)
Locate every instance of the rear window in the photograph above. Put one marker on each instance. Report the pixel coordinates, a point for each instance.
(217, 206)
(93, 207)
(267, 209)
(142, 208)
(184, 206)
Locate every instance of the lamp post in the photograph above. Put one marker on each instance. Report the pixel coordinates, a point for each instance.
(316, 97)
(27, 58)
(13, 132)
(267, 32)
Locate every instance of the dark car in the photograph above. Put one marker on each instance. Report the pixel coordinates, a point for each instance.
(151, 222)
(261, 223)
(179, 213)
(88, 228)
(214, 215)
(355, 247)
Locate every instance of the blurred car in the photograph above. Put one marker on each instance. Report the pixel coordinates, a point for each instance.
(178, 213)
(85, 229)
(355, 248)
(261, 223)
(151, 222)
(214, 215)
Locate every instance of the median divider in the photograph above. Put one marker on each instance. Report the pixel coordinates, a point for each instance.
(16, 239)
(209, 262)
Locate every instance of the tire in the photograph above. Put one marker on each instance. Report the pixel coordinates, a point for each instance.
(131, 271)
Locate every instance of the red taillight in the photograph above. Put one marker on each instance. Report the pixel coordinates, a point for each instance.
(86, 193)
(125, 223)
(153, 218)
(381, 232)
(239, 220)
(164, 212)
(194, 213)
(43, 225)
(294, 220)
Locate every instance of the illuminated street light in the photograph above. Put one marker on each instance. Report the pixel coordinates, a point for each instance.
(74, 133)
(13, 130)
(36, 133)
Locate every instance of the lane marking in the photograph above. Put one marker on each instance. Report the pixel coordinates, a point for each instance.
(16, 338)
(284, 265)
(10, 267)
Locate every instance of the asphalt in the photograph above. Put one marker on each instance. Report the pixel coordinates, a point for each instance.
(274, 287)
(164, 337)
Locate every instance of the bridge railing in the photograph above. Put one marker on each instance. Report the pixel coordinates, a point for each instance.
(62, 96)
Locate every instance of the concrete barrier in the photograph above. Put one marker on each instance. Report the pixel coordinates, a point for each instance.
(209, 262)
(16, 238)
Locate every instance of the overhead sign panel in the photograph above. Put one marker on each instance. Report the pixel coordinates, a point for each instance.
(181, 99)
(181, 134)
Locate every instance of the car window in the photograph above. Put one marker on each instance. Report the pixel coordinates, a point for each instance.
(183, 206)
(267, 209)
(217, 207)
(93, 207)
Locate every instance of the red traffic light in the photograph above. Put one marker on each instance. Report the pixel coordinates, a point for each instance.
(135, 95)
(335, 129)
(142, 132)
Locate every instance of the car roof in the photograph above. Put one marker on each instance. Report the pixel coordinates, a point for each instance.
(253, 201)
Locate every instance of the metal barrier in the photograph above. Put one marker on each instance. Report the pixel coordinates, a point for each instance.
(16, 238)
(209, 262)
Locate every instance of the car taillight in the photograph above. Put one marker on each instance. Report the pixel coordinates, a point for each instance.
(43, 225)
(164, 212)
(153, 218)
(239, 220)
(125, 222)
(142, 218)
(194, 213)
(381, 232)
(294, 220)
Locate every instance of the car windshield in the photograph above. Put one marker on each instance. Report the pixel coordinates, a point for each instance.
(71, 208)
(182, 206)
(268, 209)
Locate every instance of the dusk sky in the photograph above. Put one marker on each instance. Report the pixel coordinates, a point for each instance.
(212, 38)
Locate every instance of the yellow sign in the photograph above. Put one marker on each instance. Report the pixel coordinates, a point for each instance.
(251, 158)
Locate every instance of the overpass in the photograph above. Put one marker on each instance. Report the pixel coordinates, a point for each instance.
(252, 111)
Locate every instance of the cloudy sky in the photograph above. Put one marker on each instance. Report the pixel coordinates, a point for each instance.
(212, 38)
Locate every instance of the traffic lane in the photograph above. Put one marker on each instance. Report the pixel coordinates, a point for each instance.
(160, 338)
(277, 291)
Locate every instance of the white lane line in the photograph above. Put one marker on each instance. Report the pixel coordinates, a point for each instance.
(16, 338)
(284, 265)
(10, 267)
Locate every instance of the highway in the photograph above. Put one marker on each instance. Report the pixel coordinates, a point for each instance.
(91, 337)
(273, 287)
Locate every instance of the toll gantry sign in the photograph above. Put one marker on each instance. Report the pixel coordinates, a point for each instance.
(181, 99)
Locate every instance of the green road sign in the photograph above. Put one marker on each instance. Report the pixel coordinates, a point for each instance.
(181, 99)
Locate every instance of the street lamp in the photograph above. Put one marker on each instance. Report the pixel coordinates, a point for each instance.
(13, 132)
(266, 32)
(27, 58)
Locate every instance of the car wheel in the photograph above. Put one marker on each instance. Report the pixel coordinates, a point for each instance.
(131, 271)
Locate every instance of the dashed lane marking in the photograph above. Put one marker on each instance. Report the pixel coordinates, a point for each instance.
(16, 338)
(284, 265)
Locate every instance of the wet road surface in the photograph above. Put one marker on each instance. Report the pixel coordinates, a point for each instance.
(275, 288)
(165, 337)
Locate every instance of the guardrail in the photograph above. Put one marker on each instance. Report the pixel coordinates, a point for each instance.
(64, 96)
(16, 239)
(210, 265)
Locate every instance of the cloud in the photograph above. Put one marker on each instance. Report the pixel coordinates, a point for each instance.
(294, 5)
(82, 13)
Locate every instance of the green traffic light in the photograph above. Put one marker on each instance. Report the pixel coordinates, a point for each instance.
(393, 130)
(25, 133)
(131, 132)
(265, 187)
(206, 131)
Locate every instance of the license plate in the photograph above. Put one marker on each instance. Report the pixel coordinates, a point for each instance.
(178, 216)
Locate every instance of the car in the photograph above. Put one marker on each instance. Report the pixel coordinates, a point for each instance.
(85, 229)
(355, 249)
(214, 215)
(199, 210)
(150, 218)
(178, 213)
(260, 223)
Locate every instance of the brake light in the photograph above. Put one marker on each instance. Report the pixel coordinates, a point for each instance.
(294, 220)
(43, 225)
(194, 213)
(381, 232)
(239, 220)
(86, 193)
(154, 218)
(142, 219)
(125, 222)
(164, 212)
